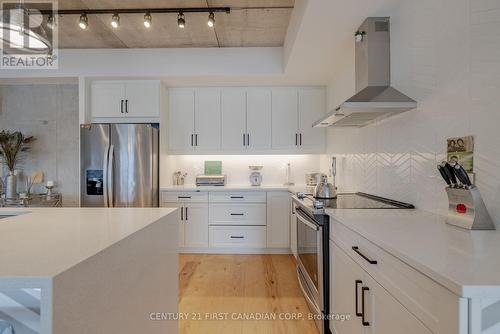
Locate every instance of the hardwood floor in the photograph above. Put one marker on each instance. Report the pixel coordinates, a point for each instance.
(234, 286)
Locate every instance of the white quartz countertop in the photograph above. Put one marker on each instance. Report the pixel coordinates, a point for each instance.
(233, 187)
(42, 243)
(466, 262)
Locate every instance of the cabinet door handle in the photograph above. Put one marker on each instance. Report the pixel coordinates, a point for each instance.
(237, 237)
(126, 106)
(248, 139)
(186, 213)
(121, 106)
(182, 213)
(192, 139)
(237, 214)
(244, 143)
(196, 140)
(363, 321)
(356, 249)
(296, 139)
(237, 197)
(183, 196)
(356, 283)
(300, 139)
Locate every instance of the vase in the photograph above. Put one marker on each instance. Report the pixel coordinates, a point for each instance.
(11, 191)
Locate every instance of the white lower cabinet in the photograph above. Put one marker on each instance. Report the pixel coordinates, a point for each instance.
(278, 226)
(193, 220)
(371, 308)
(237, 236)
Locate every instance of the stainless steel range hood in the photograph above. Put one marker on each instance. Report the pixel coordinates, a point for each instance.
(375, 98)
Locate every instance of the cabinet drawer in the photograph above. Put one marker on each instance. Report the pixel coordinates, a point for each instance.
(237, 214)
(184, 196)
(237, 197)
(238, 236)
(437, 307)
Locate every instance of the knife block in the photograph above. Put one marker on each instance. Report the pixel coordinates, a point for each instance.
(467, 210)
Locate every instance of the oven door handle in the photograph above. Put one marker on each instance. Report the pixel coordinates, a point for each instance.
(306, 220)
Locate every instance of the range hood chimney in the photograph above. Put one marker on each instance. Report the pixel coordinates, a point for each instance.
(375, 98)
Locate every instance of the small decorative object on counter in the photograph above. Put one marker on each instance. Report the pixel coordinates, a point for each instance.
(49, 186)
(35, 178)
(12, 145)
(255, 176)
(466, 207)
(288, 181)
(179, 178)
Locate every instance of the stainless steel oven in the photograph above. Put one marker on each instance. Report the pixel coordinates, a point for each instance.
(312, 267)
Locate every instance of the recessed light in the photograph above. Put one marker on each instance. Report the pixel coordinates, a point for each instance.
(211, 19)
(148, 20)
(181, 21)
(115, 21)
(84, 21)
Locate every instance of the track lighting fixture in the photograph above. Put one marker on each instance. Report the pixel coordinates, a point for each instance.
(115, 20)
(84, 21)
(51, 23)
(148, 20)
(211, 19)
(181, 21)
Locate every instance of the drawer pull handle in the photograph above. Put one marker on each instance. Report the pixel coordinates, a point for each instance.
(356, 283)
(237, 237)
(237, 214)
(356, 249)
(237, 197)
(183, 196)
(365, 323)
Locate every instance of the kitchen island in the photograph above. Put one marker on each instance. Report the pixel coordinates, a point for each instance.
(88, 270)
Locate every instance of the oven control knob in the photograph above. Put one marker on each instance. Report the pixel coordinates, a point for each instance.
(318, 205)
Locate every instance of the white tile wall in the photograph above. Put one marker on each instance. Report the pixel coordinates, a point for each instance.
(236, 167)
(446, 55)
(50, 113)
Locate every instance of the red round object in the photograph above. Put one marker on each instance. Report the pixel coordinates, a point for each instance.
(461, 208)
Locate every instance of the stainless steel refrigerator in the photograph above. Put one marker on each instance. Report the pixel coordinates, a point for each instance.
(119, 165)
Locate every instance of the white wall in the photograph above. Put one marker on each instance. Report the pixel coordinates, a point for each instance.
(236, 167)
(50, 114)
(445, 55)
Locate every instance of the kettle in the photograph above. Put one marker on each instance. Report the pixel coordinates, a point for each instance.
(324, 190)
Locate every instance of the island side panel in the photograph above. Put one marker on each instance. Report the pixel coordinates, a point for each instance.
(116, 290)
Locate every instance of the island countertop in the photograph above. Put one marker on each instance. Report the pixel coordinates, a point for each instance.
(40, 243)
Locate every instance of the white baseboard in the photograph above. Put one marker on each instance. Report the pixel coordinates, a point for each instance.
(235, 250)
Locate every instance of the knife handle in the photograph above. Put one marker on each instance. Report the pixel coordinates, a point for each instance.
(450, 172)
(444, 175)
(462, 175)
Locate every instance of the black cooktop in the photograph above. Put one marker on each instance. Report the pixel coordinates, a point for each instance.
(357, 200)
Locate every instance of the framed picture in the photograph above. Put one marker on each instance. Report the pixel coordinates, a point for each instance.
(461, 150)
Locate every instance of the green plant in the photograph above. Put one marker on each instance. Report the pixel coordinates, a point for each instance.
(12, 145)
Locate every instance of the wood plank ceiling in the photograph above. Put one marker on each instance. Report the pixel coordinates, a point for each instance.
(241, 28)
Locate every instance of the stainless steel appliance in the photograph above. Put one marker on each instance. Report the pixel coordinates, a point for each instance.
(211, 180)
(313, 269)
(119, 165)
(375, 98)
(324, 189)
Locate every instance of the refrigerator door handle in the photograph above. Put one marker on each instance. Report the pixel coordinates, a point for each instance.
(105, 176)
(110, 176)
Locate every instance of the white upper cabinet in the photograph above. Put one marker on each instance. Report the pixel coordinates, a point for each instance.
(207, 119)
(123, 99)
(285, 134)
(259, 119)
(244, 119)
(181, 120)
(234, 112)
(312, 105)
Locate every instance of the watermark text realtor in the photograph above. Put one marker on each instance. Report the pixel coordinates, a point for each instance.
(28, 34)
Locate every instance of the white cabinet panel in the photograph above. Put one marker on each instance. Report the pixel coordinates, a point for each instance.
(238, 197)
(107, 99)
(237, 214)
(238, 236)
(181, 120)
(259, 118)
(278, 215)
(143, 99)
(207, 119)
(196, 225)
(312, 105)
(180, 222)
(284, 118)
(233, 118)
